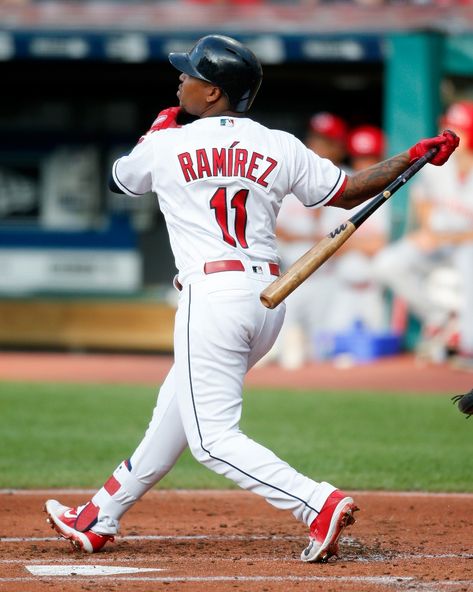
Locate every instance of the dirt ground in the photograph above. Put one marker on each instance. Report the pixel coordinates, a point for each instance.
(232, 540)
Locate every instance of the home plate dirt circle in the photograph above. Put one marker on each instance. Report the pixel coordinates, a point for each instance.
(232, 540)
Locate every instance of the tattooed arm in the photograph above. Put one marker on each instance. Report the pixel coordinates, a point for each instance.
(367, 183)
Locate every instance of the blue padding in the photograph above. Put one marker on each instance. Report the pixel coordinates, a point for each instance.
(116, 234)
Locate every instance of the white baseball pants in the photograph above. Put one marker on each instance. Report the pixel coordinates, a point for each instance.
(221, 330)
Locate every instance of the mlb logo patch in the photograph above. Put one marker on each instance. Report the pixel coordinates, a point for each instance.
(227, 122)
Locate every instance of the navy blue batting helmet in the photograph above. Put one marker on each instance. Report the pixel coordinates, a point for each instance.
(226, 63)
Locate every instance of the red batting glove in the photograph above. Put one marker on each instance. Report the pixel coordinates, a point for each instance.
(166, 118)
(446, 143)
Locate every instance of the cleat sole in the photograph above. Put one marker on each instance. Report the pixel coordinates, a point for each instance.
(80, 542)
(76, 545)
(346, 518)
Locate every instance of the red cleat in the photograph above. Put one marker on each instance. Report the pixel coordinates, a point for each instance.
(63, 519)
(335, 515)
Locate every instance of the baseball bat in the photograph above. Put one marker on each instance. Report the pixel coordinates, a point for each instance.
(301, 269)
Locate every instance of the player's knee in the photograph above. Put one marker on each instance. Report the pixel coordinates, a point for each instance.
(198, 451)
(207, 451)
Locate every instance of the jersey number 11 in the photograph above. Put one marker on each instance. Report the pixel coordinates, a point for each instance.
(238, 203)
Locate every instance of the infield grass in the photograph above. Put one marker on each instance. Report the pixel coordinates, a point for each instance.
(65, 435)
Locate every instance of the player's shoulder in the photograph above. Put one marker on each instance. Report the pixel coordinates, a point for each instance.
(276, 132)
(289, 140)
(284, 138)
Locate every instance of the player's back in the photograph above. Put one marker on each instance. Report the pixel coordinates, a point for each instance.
(220, 182)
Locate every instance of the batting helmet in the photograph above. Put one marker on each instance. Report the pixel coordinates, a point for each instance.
(460, 116)
(366, 140)
(328, 125)
(226, 63)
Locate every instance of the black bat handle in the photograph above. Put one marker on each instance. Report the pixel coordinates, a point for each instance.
(398, 182)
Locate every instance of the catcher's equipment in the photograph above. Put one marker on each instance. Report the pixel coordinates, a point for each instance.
(226, 63)
(465, 403)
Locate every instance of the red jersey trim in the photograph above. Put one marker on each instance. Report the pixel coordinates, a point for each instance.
(332, 201)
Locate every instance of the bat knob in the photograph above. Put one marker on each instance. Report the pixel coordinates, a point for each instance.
(267, 301)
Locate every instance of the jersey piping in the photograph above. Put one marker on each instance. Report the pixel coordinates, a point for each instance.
(121, 185)
(329, 195)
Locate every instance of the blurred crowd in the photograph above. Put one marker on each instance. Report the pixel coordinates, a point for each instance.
(332, 2)
(445, 3)
(427, 272)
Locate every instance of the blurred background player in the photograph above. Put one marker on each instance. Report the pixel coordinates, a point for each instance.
(298, 229)
(442, 200)
(343, 292)
(365, 146)
(358, 297)
(327, 137)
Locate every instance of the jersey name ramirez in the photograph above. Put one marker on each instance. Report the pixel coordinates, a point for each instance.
(226, 162)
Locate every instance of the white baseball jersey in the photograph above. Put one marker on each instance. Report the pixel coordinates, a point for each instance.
(220, 183)
(451, 196)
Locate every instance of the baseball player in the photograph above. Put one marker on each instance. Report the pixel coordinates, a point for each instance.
(365, 146)
(327, 136)
(443, 209)
(359, 297)
(220, 181)
(298, 228)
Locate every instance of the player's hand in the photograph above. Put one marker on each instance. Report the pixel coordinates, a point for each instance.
(446, 143)
(166, 118)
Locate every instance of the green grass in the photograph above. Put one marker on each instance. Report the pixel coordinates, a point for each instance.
(63, 435)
